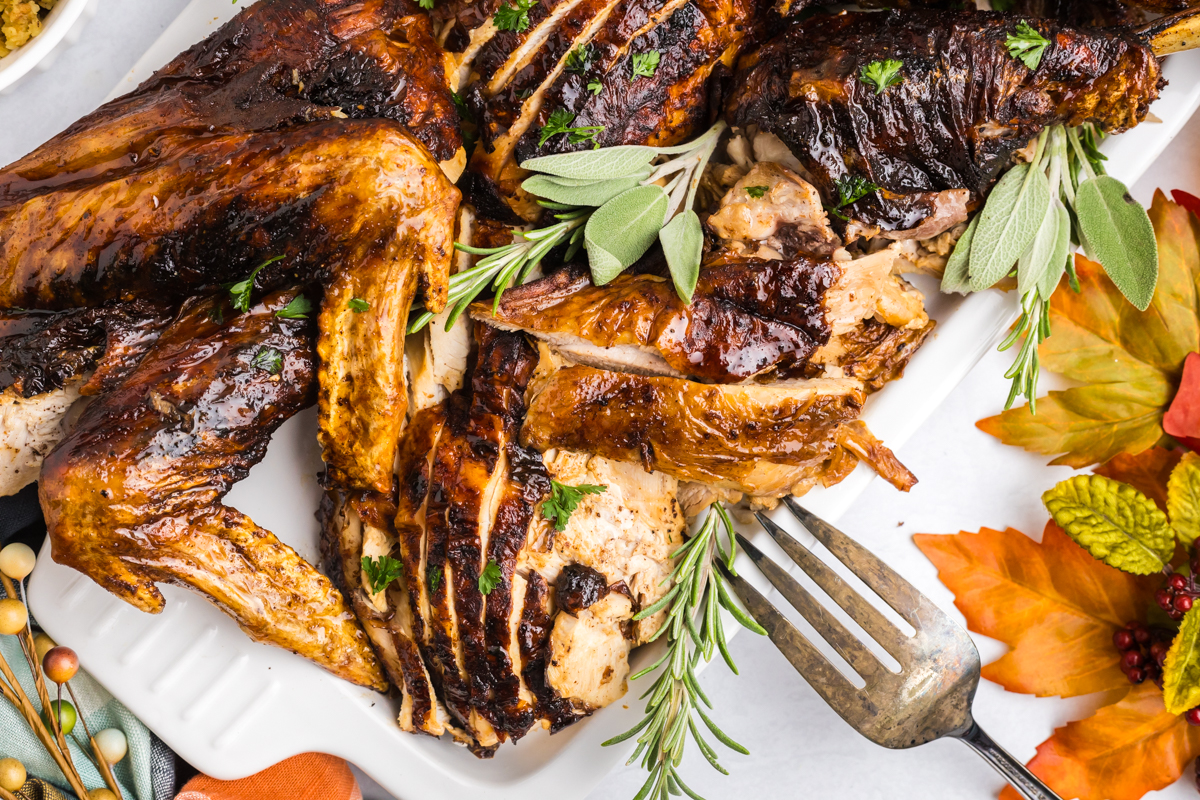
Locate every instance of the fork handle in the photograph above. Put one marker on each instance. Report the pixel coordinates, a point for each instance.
(1024, 781)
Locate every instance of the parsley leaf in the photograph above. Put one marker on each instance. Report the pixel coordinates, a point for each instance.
(595, 87)
(381, 572)
(489, 579)
(645, 64)
(514, 17)
(435, 578)
(524, 94)
(560, 121)
(850, 188)
(216, 315)
(579, 59)
(1003, 6)
(298, 308)
(882, 74)
(564, 500)
(240, 291)
(757, 191)
(425, 4)
(1027, 46)
(358, 305)
(269, 359)
(460, 104)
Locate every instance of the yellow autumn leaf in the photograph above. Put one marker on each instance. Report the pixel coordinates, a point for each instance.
(1113, 521)
(1181, 672)
(1183, 498)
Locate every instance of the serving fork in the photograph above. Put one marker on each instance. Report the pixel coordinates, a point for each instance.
(929, 698)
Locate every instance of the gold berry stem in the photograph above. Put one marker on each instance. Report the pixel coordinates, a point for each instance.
(30, 649)
(101, 762)
(7, 795)
(16, 695)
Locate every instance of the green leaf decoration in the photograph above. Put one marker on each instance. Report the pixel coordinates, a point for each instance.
(1181, 671)
(1008, 224)
(1114, 522)
(1118, 234)
(381, 572)
(1183, 499)
(594, 165)
(564, 499)
(588, 193)
(625, 228)
(956, 278)
(683, 243)
(1047, 255)
(490, 578)
(604, 265)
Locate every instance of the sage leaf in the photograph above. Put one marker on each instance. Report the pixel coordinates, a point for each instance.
(624, 228)
(1009, 222)
(1047, 254)
(683, 243)
(1183, 499)
(602, 164)
(1119, 235)
(592, 193)
(955, 277)
(1113, 521)
(604, 265)
(1181, 670)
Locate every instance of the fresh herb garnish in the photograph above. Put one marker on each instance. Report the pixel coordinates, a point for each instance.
(1028, 223)
(269, 359)
(694, 631)
(460, 105)
(240, 291)
(435, 578)
(489, 579)
(1003, 6)
(882, 74)
(358, 305)
(1027, 45)
(524, 94)
(579, 59)
(850, 189)
(216, 314)
(612, 206)
(513, 17)
(381, 572)
(757, 191)
(645, 64)
(425, 4)
(564, 500)
(595, 87)
(560, 121)
(299, 308)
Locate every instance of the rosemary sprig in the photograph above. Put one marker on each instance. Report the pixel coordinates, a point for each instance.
(511, 261)
(694, 631)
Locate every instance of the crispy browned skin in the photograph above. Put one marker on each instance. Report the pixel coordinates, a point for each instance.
(758, 439)
(132, 496)
(230, 156)
(964, 106)
(519, 79)
(40, 351)
(747, 316)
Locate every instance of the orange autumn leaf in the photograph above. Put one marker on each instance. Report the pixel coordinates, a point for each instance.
(1119, 753)
(1054, 605)
(1147, 471)
(1127, 362)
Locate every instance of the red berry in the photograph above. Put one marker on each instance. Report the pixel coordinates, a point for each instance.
(1183, 603)
(1164, 598)
(1196, 565)
(1123, 640)
(1136, 675)
(1177, 582)
(1175, 615)
(1158, 651)
(1132, 658)
(1192, 715)
(1141, 635)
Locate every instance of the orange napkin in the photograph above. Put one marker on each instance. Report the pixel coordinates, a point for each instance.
(311, 776)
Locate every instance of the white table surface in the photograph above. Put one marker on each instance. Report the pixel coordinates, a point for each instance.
(799, 748)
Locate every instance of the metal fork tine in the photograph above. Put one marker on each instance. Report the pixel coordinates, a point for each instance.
(821, 675)
(898, 593)
(872, 621)
(827, 626)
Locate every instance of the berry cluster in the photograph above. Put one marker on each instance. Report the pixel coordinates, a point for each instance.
(1143, 651)
(1180, 593)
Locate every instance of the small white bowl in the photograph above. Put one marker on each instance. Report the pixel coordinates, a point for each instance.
(60, 29)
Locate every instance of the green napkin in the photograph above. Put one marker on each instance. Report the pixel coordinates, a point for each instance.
(101, 711)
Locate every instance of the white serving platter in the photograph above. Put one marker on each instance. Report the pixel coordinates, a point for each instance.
(232, 707)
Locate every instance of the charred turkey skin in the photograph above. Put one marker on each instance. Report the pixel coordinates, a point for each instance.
(963, 107)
